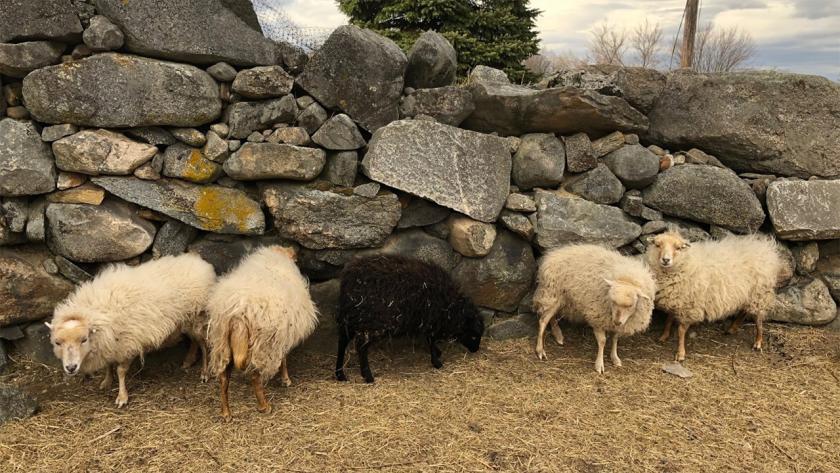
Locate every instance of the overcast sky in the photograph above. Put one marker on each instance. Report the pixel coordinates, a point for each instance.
(792, 35)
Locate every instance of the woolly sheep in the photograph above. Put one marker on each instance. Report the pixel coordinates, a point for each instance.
(711, 280)
(388, 295)
(258, 313)
(596, 285)
(127, 311)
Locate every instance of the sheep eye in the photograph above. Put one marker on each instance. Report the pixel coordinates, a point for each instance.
(57, 343)
(84, 340)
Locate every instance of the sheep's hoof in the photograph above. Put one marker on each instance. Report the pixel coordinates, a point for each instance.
(226, 417)
(616, 361)
(664, 338)
(105, 385)
(437, 364)
(121, 401)
(541, 355)
(369, 380)
(266, 409)
(286, 382)
(679, 357)
(757, 347)
(340, 376)
(204, 377)
(599, 367)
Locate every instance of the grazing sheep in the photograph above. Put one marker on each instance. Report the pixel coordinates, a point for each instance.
(596, 285)
(388, 296)
(711, 280)
(128, 311)
(258, 313)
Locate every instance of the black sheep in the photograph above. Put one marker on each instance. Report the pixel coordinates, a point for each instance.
(387, 296)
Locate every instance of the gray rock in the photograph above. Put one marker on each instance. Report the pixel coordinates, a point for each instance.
(27, 291)
(598, 185)
(828, 268)
(96, 152)
(85, 194)
(26, 163)
(579, 154)
(517, 223)
(690, 230)
(539, 161)
(654, 226)
(15, 404)
(189, 164)
(14, 211)
(520, 203)
(368, 190)
(216, 148)
(706, 194)
(172, 239)
(19, 113)
(804, 210)
(292, 135)
(631, 139)
(564, 219)
(640, 87)
(113, 90)
(770, 122)
(17, 60)
(500, 279)
(360, 73)
(312, 117)
(488, 75)
(35, 221)
(469, 237)
(36, 346)
(519, 326)
(245, 118)
(234, 145)
(222, 72)
(432, 62)
(255, 137)
(516, 110)
(607, 144)
(415, 243)
(225, 251)
(696, 156)
(210, 208)
(97, 233)
(102, 35)
(304, 101)
(806, 256)
(189, 136)
(449, 105)
(466, 171)
(320, 219)
(69, 270)
(339, 133)
(808, 302)
(677, 369)
(254, 161)
(57, 132)
(154, 135)
(220, 129)
(421, 213)
(634, 165)
(263, 82)
(341, 168)
(195, 31)
(39, 19)
(69, 180)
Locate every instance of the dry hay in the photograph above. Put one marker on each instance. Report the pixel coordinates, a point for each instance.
(498, 410)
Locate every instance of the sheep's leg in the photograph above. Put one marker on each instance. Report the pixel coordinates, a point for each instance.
(122, 370)
(362, 345)
(616, 361)
(107, 379)
(343, 341)
(556, 332)
(284, 373)
(736, 323)
(681, 330)
(601, 338)
(192, 354)
(259, 390)
(666, 332)
(759, 332)
(205, 360)
(545, 318)
(435, 351)
(224, 383)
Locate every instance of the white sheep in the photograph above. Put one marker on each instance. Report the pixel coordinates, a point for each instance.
(711, 280)
(126, 312)
(257, 314)
(596, 285)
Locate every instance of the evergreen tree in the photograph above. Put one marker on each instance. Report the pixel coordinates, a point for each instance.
(495, 33)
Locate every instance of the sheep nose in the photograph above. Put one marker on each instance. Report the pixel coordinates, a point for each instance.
(666, 261)
(71, 369)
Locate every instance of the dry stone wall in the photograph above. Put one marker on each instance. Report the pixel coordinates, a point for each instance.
(133, 130)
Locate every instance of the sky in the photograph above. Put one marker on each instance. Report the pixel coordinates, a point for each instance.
(790, 35)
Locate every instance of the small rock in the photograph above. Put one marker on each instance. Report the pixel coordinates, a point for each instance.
(18, 60)
(147, 172)
(540, 161)
(579, 154)
(27, 290)
(189, 136)
(415, 243)
(215, 149)
(172, 239)
(470, 237)
(432, 62)
(520, 326)
(807, 302)
(220, 129)
(631, 139)
(421, 213)
(244, 118)
(607, 144)
(312, 117)
(222, 72)
(14, 211)
(598, 185)
(102, 35)
(100, 151)
(234, 145)
(368, 190)
(564, 219)
(13, 94)
(19, 112)
(656, 150)
(57, 132)
(15, 404)
(292, 135)
(804, 210)
(806, 256)
(654, 226)
(189, 164)
(339, 133)
(35, 345)
(517, 223)
(304, 101)
(341, 168)
(676, 369)
(154, 135)
(255, 161)
(695, 156)
(255, 137)
(263, 82)
(450, 105)
(80, 51)
(520, 203)
(634, 165)
(84, 194)
(27, 166)
(69, 270)
(35, 220)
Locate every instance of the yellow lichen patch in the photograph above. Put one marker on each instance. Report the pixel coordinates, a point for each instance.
(197, 168)
(224, 209)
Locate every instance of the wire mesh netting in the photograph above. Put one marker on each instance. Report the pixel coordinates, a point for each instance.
(277, 25)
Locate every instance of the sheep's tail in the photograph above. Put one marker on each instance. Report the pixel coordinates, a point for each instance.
(239, 343)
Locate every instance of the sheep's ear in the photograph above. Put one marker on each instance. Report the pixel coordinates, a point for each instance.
(609, 282)
(645, 296)
(49, 325)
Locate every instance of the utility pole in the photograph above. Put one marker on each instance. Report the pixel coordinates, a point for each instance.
(689, 32)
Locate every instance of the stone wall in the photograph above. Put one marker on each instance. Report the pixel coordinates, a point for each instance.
(133, 130)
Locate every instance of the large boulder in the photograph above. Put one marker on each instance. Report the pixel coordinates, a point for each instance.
(26, 163)
(39, 19)
(15, 404)
(513, 110)
(421, 213)
(211, 208)
(195, 31)
(416, 243)
(27, 291)
(804, 210)
(499, 280)
(634, 165)
(17, 60)
(598, 185)
(463, 170)
(339, 133)
(114, 90)
(563, 219)
(245, 118)
(640, 87)
(432, 62)
(778, 123)
(449, 105)
(806, 302)
(319, 219)
(101, 152)
(360, 73)
(96, 233)
(706, 194)
(539, 161)
(255, 161)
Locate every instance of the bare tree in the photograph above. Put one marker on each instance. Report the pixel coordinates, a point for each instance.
(547, 62)
(607, 45)
(722, 49)
(539, 64)
(646, 42)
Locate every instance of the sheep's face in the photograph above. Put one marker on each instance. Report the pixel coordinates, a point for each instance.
(666, 248)
(473, 327)
(624, 300)
(71, 343)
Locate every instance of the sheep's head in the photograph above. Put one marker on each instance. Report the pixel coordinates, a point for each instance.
(624, 300)
(666, 248)
(472, 327)
(285, 251)
(71, 342)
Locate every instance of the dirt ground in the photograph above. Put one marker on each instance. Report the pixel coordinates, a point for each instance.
(498, 410)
